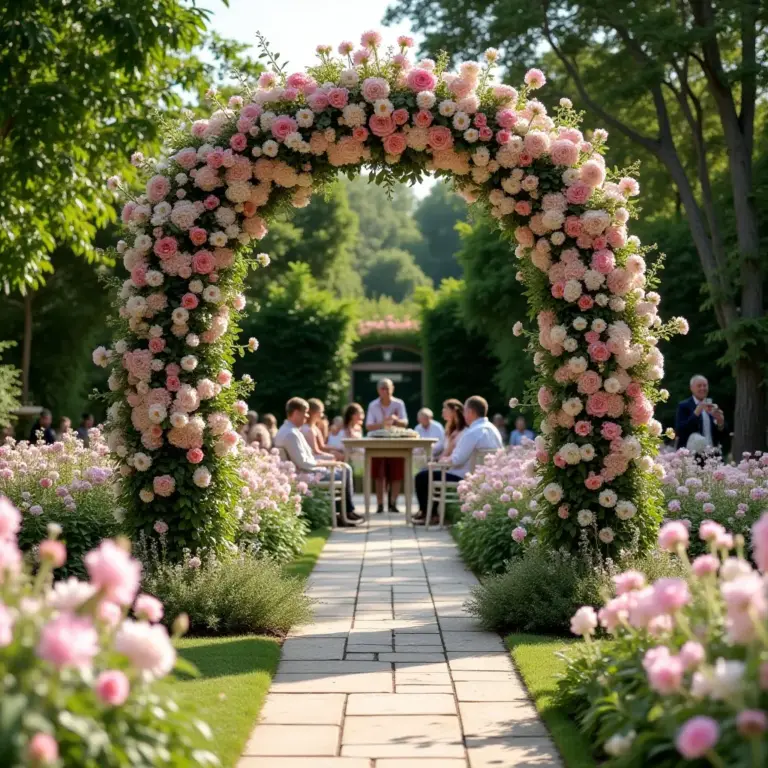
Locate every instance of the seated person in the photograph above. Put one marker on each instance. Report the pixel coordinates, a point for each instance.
(313, 431)
(480, 434)
(290, 439)
(455, 424)
(520, 433)
(501, 424)
(334, 433)
(270, 422)
(428, 427)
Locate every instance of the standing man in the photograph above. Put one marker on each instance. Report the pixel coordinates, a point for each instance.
(428, 427)
(520, 432)
(86, 424)
(293, 442)
(699, 416)
(383, 413)
(479, 434)
(43, 424)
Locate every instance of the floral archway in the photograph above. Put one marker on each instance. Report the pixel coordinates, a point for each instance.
(174, 403)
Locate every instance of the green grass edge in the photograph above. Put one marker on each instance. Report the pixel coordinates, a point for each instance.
(236, 672)
(535, 659)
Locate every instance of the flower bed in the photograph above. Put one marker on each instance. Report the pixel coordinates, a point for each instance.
(685, 674)
(173, 401)
(731, 494)
(65, 483)
(80, 678)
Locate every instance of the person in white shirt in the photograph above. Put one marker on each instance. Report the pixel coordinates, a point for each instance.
(428, 427)
(384, 412)
(313, 433)
(296, 447)
(480, 434)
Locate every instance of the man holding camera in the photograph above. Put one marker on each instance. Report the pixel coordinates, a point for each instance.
(700, 424)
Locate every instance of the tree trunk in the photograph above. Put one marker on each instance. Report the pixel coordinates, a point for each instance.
(26, 353)
(749, 414)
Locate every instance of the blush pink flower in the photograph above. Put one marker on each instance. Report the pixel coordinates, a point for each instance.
(189, 301)
(599, 352)
(760, 542)
(10, 519)
(149, 608)
(665, 675)
(375, 88)
(673, 535)
(164, 485)
(165, 247)
(157, 188)
(113, 571)
(589, 382)
(423, 118)
(282, 126)
(53, 552)
(42, 749)
(68, 641)
(381, 125)
(203, 262)
(585, 302)
(597, 404)
(338, 97)
(697, 737)
(198, 235)
(440, 137)
(578, 193)
(194, 455)
(238, 142)
(603, 261)
(112, 687)
(395, 143)
(421, 80)
(610, 431)
(583, 428)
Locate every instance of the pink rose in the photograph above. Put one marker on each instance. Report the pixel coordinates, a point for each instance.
(157, 188)
(165, 247)
(375, 88)
(359, 133)
(486, 134)
(603, 261)
(338, 97)
(299, 80)
(189, 301)
(634, 389)
(597, 404)
(558, 290)
(238, 142)
(164, 485)
(211, 202)
(583, 428)
(149, 608)
(203, 262)
(112, 570)
(599, 242)
(610, 431)
(599, 352)
(172, 383)
(589, 382)
(112, 687)
(564, 152)
(420, 80)
(506, 118)
(395, 144)
(282, 126)
(578, 193)
(591, 337)
(400, 116)
(139, 276)
(381, 125)
(198, 235)
(186, 158)
(480, 120)
(224, 378)
(68, 640)
(593, 482)
(156, 346)
(640, 411)
(42, 749)
(194, 455)
(440, 137)
(560, 462)
(423, 118)
(545, 398)
(586, 302)
(523, 208)
(503, 136)
(572, 226)
(318, 101)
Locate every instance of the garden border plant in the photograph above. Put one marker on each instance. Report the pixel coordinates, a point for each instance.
(174, 404)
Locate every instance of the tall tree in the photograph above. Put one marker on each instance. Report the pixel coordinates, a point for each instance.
(394, 273)
(437, 215)
(685, 63)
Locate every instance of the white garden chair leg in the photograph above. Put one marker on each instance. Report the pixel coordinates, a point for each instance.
(343, 495)
(430, 497)
(332, 488)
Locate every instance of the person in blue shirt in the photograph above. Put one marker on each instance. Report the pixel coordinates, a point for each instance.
(520, 432)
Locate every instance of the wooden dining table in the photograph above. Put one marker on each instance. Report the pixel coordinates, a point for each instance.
(388, 448)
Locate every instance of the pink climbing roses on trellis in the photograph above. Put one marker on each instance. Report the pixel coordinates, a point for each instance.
(174, 404)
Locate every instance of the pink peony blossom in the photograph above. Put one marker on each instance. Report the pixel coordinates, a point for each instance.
(114, 572)
(42, 749)
(697, 737)
(673, 535)
(147, 646)
(164, 485)
(382, 125)
(578, 193)
(421, 80)
(149, 608)
(282, 126)
(53, 552)
(68, 640)
(194, 455)
(203, 262)
(375, 88)
(157, 188)
(112, 687)
(440, 137)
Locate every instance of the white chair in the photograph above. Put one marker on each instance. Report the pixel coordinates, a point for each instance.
(336, 488)
(442, 490)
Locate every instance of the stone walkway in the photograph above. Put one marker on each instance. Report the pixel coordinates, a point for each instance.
(392, 673)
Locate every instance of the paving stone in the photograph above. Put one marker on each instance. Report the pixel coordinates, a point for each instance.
(501, 719)
(289, 740)
(520, 753)
(416, 639)
(487, 691)
(305, 762)
(490, 662)
(325, 628)
(412, 656)
(380, 704)
(423, 688)
(403, 677)
(406, 762)
(303, 709)
(368, 649)
(313, 648)
(473, 642)
(398, 736)
(455, 624)
(465, 675)
(331, 667)
(360, 656)
(365, 682)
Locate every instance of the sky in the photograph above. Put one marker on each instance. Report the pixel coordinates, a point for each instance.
(295, 27)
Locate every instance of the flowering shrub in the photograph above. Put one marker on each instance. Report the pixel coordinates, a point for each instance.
(233, 593)
(730, 494)
(80, 678)
(685, 675)
(173, 399)
(497, 503)
(65, 483)
(389, 325)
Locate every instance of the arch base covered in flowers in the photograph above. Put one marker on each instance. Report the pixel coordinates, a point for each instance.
(174, 404)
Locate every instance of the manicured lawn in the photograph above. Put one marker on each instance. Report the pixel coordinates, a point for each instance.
(302, 566)
(535, 657)
(235, 674)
